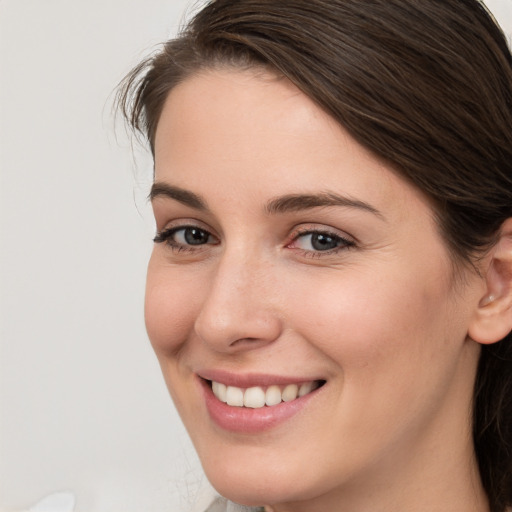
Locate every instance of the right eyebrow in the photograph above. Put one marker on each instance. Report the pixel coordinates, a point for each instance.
(300, 202)
(185, 197)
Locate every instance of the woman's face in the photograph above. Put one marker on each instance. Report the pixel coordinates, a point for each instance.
(290, 257)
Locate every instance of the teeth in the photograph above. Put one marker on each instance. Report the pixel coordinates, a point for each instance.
(219, 390)
(235, 396)
(257, 397)
(254, 398)
(273, 395)
(290, 392)
(306, 388)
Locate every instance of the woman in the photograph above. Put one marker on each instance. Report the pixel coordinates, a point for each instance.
(330, 291)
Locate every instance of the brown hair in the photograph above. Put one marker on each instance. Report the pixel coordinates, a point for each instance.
(425, 85)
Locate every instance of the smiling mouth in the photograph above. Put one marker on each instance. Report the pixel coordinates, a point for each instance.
(257, 397)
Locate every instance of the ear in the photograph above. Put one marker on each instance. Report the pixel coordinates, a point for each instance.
(492, 319)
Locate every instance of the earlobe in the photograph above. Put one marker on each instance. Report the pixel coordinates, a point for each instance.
(492, 319)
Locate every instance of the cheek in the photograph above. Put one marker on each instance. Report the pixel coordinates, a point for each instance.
(363, 320)
(171, 304)
(394, 351)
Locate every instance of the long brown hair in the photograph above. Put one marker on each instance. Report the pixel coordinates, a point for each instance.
(425, 85)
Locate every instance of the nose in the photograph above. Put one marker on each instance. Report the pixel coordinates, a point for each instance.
(240, 310)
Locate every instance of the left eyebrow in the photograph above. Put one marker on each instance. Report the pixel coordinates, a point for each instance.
(299, 202)
(181, 195)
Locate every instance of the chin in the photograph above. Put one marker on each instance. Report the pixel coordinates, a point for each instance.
(257, 483)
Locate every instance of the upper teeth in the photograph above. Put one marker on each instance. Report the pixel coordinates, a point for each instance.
(257, 396)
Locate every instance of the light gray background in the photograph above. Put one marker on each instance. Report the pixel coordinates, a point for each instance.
(82, 404)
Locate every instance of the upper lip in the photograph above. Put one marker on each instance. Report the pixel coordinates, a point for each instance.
(247, 380)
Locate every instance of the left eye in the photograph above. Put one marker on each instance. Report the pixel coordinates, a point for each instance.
(185, 236)
(191, 236)
(320, 242)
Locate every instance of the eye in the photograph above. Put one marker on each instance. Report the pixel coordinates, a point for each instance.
(185, 237)
(317, 241)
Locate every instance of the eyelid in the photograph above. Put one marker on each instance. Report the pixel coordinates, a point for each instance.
(184, 222)
(318, 228)
(168, 221)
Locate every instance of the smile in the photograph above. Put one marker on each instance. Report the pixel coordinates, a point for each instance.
(254, 403)
(257, 397)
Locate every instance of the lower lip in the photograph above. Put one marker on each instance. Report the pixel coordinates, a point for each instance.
(245, 420)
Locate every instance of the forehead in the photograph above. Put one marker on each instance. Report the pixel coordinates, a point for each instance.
(259, 133)
(213, 104)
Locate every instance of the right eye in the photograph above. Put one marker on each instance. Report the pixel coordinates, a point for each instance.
(185, 237)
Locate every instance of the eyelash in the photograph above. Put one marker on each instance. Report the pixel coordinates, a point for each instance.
(343, 243)
(166, 236)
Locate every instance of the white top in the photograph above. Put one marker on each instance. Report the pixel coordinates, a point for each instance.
(223, 505)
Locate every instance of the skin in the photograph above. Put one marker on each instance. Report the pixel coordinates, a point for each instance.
(383, 320)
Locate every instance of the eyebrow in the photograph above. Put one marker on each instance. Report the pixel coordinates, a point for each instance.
(282, 204)
(300, 202)
(181, 195)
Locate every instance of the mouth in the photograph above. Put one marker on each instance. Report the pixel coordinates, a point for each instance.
(257, 397)
(253, 403)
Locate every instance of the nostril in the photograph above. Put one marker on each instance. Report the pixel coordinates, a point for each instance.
(244, 340)
(227, 328)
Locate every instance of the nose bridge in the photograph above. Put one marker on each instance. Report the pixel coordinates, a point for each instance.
(239, 305)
